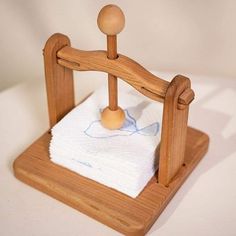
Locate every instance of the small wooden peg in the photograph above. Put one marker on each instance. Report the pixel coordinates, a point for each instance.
(111, 21)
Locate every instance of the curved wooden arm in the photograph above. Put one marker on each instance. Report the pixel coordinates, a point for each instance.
(122, 67)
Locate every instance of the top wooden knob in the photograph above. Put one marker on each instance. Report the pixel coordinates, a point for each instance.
(111, 20)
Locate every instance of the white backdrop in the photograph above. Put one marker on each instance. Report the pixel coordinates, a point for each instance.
(180, 36)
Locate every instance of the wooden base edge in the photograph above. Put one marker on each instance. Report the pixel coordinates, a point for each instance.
(127, 215)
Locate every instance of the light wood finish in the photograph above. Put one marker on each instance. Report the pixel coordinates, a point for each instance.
(112, 119)
(59, 80)
(174, 121)
(112, 80)
(129, 216)
(186, 97)
(174, 130)
(112, 47)
(111, 20)
(112, 92)
(180, 149)
(123, 67)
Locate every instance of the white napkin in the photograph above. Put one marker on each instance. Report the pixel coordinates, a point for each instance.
(121, 159)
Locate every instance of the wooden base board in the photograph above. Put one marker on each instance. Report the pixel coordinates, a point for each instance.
(122, 213)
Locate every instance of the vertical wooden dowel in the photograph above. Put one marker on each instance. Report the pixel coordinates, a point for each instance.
(111, 21)
(112, 92)
(112, 80)
(112, 46)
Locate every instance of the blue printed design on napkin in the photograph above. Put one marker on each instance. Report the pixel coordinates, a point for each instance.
(130, 127)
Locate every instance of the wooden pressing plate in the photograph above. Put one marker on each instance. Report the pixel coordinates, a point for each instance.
(122, 213)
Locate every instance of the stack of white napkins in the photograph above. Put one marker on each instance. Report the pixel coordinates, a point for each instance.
(121, 159)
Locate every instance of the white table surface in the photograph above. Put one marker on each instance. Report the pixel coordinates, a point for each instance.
(205, 204)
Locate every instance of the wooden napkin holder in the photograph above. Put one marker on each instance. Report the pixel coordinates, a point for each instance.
(180, 149)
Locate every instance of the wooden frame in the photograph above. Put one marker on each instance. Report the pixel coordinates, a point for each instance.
(176, 95)
(180, 150)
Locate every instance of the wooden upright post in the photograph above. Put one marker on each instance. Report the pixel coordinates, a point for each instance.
(59, 79)
(174, 130)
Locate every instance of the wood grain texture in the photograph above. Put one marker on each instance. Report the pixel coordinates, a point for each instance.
(59, 80)
(112, 47)
(112, 92)
(111, 20)
(179, 144)
(174, 130)
(123, 67)
(112, 80)
(129, 216)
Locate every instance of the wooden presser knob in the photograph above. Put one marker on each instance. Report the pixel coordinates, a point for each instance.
(111, 21)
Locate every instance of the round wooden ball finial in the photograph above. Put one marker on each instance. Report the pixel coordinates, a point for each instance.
(111, 20)
(112, 119)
